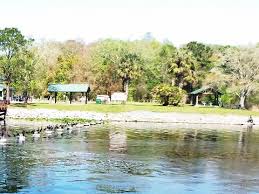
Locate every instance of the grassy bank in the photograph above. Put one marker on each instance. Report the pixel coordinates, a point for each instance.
(115, 108)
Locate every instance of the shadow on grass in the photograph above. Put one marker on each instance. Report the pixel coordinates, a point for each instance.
(145, 105)
(19, 105)
(23, 105)
(35, 104)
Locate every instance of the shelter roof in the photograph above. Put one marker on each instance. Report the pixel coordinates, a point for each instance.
(68, 88)
(204, 89)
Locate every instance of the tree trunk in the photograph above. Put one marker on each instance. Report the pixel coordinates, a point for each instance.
(180, 81)
(70, 97)
(86, 97)
(166, 101)
(126, 87)
(26, 98)
(180, 85)
(242, 100)
(7, 91)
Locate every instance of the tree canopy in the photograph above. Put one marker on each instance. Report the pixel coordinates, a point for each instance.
(140, 68)
(12, 44)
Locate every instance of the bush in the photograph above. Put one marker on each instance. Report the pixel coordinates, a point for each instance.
(167, 94)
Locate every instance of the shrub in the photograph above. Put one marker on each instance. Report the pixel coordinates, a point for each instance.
(167, 94)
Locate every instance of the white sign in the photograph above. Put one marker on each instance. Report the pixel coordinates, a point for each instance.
(119, 96)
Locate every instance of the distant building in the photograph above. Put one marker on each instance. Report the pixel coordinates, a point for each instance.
(196, 96)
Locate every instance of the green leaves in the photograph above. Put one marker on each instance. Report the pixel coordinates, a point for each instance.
(11, 41)
(182, 68)
(25, 79)
(241, 67)
(13, 45)
(116, 61)
(203, 54)
(168, 94)
(128, 65)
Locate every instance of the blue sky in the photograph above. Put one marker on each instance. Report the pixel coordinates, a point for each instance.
(208, 21)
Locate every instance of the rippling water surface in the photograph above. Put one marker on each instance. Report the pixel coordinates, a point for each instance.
(121, 159)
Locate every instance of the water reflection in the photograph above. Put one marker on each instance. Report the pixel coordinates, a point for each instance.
(15, 166)
(117, 140)
(114, 159)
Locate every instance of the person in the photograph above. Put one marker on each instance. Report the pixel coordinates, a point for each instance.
(250, 123)
(250, 119)
(2, 138)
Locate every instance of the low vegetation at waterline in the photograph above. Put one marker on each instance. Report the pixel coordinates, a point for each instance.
(116, 108)
(59, 120)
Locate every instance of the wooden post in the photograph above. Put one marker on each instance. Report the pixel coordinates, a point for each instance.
(55, 97)
(197, 100)
(70, 97)
(86, 96)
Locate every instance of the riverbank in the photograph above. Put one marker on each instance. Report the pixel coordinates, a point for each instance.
(135, 106)
(131, 116)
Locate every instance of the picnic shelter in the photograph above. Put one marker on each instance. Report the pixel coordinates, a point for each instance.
(69, 88)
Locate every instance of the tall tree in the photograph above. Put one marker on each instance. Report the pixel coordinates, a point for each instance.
(104, 55)
(167, 56)
(116, 62)
(241, 65)
(183, 69)
(48, 53)
(141, 87)
(11, 43)
(25, 81)
(203, 54)
(128, 68)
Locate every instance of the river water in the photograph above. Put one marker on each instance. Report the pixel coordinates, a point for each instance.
(122, 159)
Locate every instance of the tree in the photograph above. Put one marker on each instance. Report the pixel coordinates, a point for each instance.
(103, 57)
(203, 54)
(241, 65)
(128, 68)
(178, 67)
(167, 56)
(183, 69)
(117, 62)
(141, 87)
(47, 53)
(11, 43)
(168, 94)
(25, 81)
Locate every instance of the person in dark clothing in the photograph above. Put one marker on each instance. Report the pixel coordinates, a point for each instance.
(250, 119)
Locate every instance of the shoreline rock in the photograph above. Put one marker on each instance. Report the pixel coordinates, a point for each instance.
(133, 116)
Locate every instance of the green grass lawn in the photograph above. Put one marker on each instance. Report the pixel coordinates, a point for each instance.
(135, 107)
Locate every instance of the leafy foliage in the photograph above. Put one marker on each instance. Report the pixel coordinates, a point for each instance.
(168, 94)
(25, 81)
(12, 43)
(141, 68)
(241, 66)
